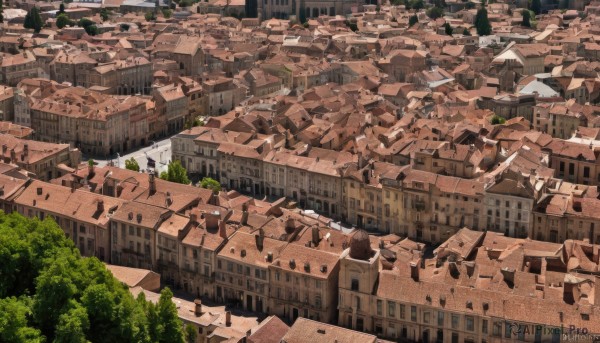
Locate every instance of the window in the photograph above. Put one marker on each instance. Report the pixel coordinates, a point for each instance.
(392, 309)
(507, 330)
(379, 305)
(440, 319)
(469, 324)
(402, 311)
(455, 320)
(354, 285)
(413, 313)
(426, 317)
(484, 326)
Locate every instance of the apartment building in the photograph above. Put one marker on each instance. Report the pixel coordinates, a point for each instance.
(303, 282)
(134, 238)
(45, 161)
(426, 301)
(242, 270)
(84, 217)
(573, 161)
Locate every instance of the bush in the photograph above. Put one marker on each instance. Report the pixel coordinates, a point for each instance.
(496, 119)
(62, 20)
(210, 183)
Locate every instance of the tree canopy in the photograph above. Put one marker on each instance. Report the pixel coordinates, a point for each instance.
(496, 119)
(132, 164)
(536, 6)
(482, 23)
(413, 20)
(33, 20)
(435, 12)
(448, 29)
(175, 173)
(526, 18)
(62, 20)
(49, 293)
(210, 183)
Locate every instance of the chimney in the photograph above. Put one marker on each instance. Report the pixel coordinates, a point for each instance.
(26, 150)
(269, 256)
(152, 182)
(100, 205)
(290, 224)
(414, 271)
(212, 220)
(222, 229)
(4, 149)
(260, 238)
(197, 307)
(13, 156)
(244, 220)
(227, 318)
(315, 235)
(194, 218)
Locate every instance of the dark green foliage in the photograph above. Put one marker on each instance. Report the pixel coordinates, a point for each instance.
(415, 4)
(496, 119)
(413, 20)
(61, 8)
(190, 334)
(49, 293)
(33, 20)
(351, 25)
(526, 18)
(466, 32)
(104, 14)
(482, 23)
(89, 26)
(435, 12)
(175, 173)
(150, 16)
(536, 6)
(448, 29)
(62, 20)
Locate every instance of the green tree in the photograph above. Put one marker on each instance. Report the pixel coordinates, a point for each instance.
(62, 20)
(89, 26)
(175, 173)
(190, 334)
(73, 325)
(167, 13)
(413, 20)
(104, 14)
(61, 8)
(417, 4)
(536, 6)
(496, 119)
(482, 23)
(150, 16)
(172, 328)
(33, 20)
(435, 12)
(526, 18)
(210, 183)
(132, 164)
(466, 32)
(14, 325)
(49, 293)
(448, 29)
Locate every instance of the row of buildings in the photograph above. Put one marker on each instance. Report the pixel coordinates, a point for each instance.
(268, 257)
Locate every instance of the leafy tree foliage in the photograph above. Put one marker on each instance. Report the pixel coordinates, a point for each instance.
(536, 6)
(466, 32)
(435, 12)
(413, 20)
(526, 18)
(210, 183)
(190, 334)
(132, 164)
(482, 23)
(175, 173)
(104, 14)
(62, 20)
(33, 20)
(448, 29)
(496, 119)
(61, 8)
(49, 293)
